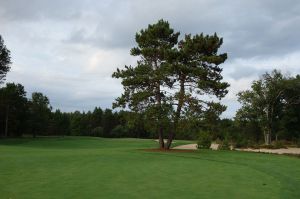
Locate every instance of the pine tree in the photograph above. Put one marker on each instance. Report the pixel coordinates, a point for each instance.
(144, 84)
(4, 60)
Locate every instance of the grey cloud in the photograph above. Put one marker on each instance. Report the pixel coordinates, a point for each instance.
(61, 37)
(24, 10)
(249, 28)
(247, 72)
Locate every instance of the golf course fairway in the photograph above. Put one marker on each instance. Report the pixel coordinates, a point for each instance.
(84, 167)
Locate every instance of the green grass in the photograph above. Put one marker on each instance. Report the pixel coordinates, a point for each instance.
(114, 168)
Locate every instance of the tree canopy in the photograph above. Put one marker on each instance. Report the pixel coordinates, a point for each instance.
(170, 77)
(268, 101)
(4, 60)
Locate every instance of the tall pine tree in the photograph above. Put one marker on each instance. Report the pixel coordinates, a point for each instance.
(144, 83)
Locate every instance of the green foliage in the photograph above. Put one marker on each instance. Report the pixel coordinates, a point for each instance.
(224, 145)
(97, 132)
(270, 104)
(4, 60)
(119, 131)
(35, 117)
(241, 143)
(76, 126)
(40, 111)
(13, 110)
(188, 68)
(142, 84)
(59, 123)
(109, 121)
(204, 140)
(146, 85)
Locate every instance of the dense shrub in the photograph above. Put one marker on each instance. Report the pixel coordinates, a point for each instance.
(119, 131)
(241, 143)
(97, 132)
(244, 143)
(224, 145)
(204, 140)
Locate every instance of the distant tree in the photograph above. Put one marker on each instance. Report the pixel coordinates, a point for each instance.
(59, 123)
(143, 84)
(40, 111)
(211, 119)
(264, 103)
(119, 131)
(290, 119)
(75, 123)
(4, 60)
(97, 132)
(13, 110)
(109, 121)
(96, 118)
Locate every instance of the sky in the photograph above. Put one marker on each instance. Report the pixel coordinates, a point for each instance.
(68, 49)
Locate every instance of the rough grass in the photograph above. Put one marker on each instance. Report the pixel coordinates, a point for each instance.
(114, 168)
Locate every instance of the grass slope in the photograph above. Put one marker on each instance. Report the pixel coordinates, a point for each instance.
(114, 168)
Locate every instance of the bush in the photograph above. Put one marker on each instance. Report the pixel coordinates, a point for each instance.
(119, 131)
(97, 132)
(241, 143)
(224, 145)
(204, 140)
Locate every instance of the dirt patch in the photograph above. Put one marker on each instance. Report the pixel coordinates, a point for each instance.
(170, 150)
(295, 151)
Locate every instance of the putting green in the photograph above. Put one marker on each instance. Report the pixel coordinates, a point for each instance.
(115, 168)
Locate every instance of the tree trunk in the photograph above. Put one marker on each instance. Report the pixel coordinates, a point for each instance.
(6, 122)
(267, 136)
(178, 111)
(160, 127)
(161, 138)
(170, 139)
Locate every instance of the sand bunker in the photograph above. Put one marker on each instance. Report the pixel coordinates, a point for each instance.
(215, 146)
(277, 151)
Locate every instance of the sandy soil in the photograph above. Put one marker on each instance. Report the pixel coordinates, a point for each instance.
(214, 146)
(186, 146)
(277, 151)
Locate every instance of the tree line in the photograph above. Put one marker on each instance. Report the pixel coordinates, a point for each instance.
(20, 116)
(34, 116)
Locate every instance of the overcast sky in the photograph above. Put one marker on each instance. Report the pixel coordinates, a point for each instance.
(68, 49)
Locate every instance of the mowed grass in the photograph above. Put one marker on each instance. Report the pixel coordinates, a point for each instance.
(116, 168)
